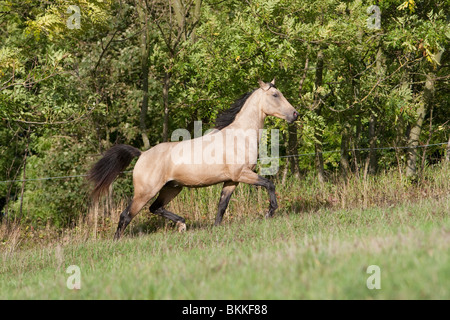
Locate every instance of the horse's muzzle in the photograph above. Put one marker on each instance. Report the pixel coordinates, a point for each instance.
(293, 117)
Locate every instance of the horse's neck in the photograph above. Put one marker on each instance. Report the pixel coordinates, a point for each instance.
(251, 116)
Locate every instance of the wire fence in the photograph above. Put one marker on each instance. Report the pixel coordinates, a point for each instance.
(266, 158)
(359, 149)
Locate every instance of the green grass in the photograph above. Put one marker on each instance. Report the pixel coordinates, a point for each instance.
(320, 254)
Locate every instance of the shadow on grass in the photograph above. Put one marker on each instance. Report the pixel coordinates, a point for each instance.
(151, 223)
(303, 206)
(156, 223)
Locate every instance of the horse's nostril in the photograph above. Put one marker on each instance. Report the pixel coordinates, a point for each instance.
(295, 115)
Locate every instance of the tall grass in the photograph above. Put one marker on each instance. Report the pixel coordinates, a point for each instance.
(199, 206)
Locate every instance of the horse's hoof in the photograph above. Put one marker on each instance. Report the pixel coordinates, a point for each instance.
(117, 236)
(269, 215)
(181, 226)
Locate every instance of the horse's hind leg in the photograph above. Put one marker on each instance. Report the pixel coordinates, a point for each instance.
(124, 220)
(167, 193)
(139, 200)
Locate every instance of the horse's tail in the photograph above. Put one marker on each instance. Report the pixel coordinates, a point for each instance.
(114, 161)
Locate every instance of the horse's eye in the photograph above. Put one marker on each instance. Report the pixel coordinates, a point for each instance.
(275, 95)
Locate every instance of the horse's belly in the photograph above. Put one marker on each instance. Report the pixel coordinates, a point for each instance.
(200, 175)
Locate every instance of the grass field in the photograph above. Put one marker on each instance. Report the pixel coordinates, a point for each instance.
(320, 254)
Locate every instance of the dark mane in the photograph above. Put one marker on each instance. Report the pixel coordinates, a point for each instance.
(226, 117)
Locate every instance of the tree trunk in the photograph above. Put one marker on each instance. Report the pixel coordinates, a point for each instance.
(284, 174)
(196, 18)
(371, 160)
(413, 142)
(414, 135)
(344, 161)
(447, 156)
(318, 133)
(165, 135)
(143, 17)
(24, 176)
(178, 10)
(356, 146)
(185, 22)
(286, 167)
(319, 159)
(293, 149)
(373, 156)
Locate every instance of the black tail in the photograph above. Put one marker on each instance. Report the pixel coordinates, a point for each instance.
(114, 161)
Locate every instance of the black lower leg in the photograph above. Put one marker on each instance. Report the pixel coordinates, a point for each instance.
(223, 204)
(227, 191)
(167, 193)
(158, 208)
(124, 221)
(169, 215)
(266, 183)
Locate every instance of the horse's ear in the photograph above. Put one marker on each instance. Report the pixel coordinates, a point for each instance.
(263, 85)
(273, 81)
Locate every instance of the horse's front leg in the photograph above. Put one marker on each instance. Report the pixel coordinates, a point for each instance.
(250, 177)
(227, 191)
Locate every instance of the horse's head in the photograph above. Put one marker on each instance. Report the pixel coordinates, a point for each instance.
(273, 102)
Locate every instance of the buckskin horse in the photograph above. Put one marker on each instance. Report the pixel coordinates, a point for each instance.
(168, 167)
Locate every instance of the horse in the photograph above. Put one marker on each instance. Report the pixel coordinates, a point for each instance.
(169, 166)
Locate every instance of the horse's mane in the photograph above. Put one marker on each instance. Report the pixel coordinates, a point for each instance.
(227, 116)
